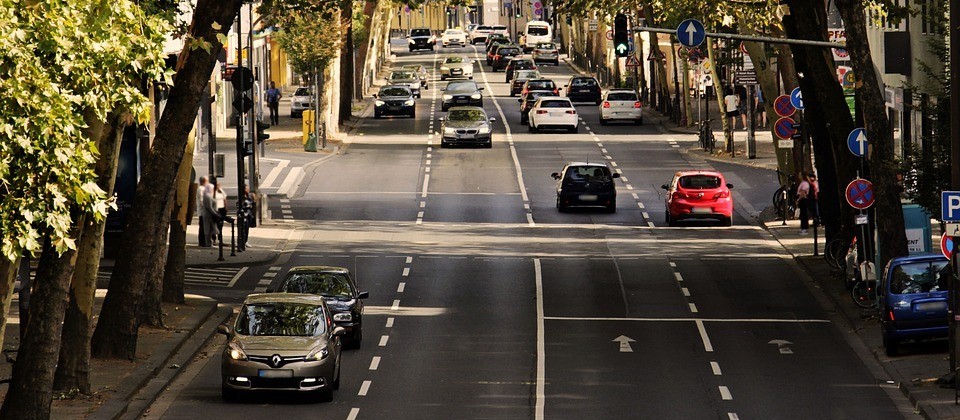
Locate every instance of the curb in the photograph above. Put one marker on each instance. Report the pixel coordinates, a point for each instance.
(152, 376)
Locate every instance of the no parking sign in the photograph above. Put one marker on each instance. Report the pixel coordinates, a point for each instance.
(784, 106)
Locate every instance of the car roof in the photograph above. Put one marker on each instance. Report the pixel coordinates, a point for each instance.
(542, 79)
(699, 172)
(302, 298)
(395, 86)
(919, 258)
(592, 164)
(620, 90)
(319, 268)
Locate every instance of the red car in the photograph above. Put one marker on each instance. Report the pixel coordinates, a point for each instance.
(698, 195)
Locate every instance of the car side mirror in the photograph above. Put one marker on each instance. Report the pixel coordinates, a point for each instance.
(480, 88)
(442, 118)
(664, 186)
(493, 119)
(338, 331)
(729, 185)
(223, 329)
(555, 175)
(616, 175)
(363, 295)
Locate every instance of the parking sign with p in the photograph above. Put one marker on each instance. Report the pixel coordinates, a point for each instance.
(950, 206)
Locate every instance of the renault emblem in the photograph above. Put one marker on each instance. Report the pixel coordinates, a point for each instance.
(276, 359)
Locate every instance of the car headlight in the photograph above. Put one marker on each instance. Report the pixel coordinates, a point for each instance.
(318, 353)
(408, 102)
(236, 352)
(483, 130)
(475, 96)
(444, 68)
(447, 97)
(448, 130)
(412, 41)
(343, 317)
(379, 102)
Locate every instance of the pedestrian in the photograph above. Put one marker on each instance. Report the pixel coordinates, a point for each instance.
(203, 234)
(803, 203)
(220, 203)
(250, 202)
(813, 198)
(742, 104)
(273, 102)
(761, 107)
(732, 103)
(211, 219)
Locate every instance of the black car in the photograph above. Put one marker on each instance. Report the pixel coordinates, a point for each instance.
(527, 101)
(540, 84)
(518, 64)
(466, 125)
(338, 289)
(421, 39)
(586, 185)
(584, 89)
(461, 93)
(501, 38)
(492, 50)
(503, 55)
(394, 100)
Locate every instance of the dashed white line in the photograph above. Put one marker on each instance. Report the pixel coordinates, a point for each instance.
(733, 416)
(693, 308)
(420, 215)
(383, 340)
(406, 271)
(409, 260)
(725, 393)
(716, 368)
(375, 363)
(426, 181)
(400, 287)
(707, 346)
(639, 204)
(423, 204)
(389, 322)
(396, 305)
(541, 345)
(636, 197)
(678, 276)
(353, 413)
(264, 282)
(645, 214)
(673, 264)
(364, 387)
(651, 224)
(686, 292)
(268, 274)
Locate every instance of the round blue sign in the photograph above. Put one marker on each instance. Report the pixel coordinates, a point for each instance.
(796, 98)
(691, 33)
(857, 142)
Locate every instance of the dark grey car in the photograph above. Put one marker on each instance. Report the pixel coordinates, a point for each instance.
(338, 289)
(461, 93)
(466, 125)
(394, 100)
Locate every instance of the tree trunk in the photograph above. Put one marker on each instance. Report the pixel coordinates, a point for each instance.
(891, 236)
(719, 90)
(180, 217)
(347, 75)
(31, 389)
(363, 50)
(73, 369)
(151, 308)
(8, 275)
(117, 328)
(685, 94)
(826, 115)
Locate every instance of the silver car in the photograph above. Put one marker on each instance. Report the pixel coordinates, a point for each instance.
(420, 71)
(456, 67)
(406, 78)
(546, 52)
(302, 100)
(466, 125)
(281, 342)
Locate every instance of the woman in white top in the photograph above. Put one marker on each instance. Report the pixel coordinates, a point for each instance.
(732, 103)
(220, 202)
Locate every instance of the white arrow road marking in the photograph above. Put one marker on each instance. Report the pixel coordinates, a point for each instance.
(782, 346)
(625, 343)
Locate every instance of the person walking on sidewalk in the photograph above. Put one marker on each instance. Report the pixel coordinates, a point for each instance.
(220, 203)
(807, 201)
(742, 105)
(273, 102)
(761, 107)
(203, 234)
(209, 214)
(732, 103)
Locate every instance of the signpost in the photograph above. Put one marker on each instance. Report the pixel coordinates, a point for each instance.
(745, 77)
(592, 26)
(796, 98)
(784, 127)
(857, 142)
(783, 106)
(950, 206)
(691, 33)
(859, 194)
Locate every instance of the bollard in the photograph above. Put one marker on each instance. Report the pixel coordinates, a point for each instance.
(233, 248)
(785, 207)
(816, 248)
(220, 240)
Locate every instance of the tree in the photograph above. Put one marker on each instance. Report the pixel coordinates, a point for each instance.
(117, 329)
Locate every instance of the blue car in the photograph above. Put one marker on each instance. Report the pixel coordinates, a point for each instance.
(913, 300)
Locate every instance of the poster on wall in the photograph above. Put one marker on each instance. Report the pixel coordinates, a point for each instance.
(838, 35)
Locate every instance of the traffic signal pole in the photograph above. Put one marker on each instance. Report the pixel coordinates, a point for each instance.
(254, 118)
(241, 177)
(954, 174)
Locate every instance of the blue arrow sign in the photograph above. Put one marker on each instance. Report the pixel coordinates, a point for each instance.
(796, 98)
(691, 33)
(950, 206)
(857, 142)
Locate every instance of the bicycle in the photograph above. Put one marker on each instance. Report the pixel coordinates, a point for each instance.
(782, 202)
(705, 135)
(864, 293)
(836, 253)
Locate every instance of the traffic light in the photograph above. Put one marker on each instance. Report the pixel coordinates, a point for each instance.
(247, 148)
(518, 11)
(261, 135)
(621, 36)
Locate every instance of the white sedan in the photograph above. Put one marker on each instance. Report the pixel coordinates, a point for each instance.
(621, 104)
(553, 112)
(456, 67)
(453, 36)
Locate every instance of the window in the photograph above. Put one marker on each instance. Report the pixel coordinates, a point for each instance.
(583, 82)
(454, 60)
(538, 30)
(622, 96)
(700, 182)
(466, 115)
(394, 91)
(546, 46)
(401, 75)
(540, 84)
(588, 173)
(555, 104)
(281, 319)
(302, 92)
(920, 277)
(420, 32)
(326, 284)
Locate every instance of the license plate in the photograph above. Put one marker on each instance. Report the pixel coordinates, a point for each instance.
(584, 90)
(701, 210)
(455, 71)
(462, 101)
(276, 373)
(931, 306)
(588, 197)
(394, 108)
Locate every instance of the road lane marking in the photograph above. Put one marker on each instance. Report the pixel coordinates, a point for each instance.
(354, 412)
(716, 368)
(678, 276)
(390, 322)
(396, 305)
(725, 393)
(383, 340)
(707, 346)
(364, 387)
(673, 264)
(639, 204)
(426, 182)
(375, 363)
(645, 215)
(240, 273)
(406, 271)
(264, 282)
(693, 307)
(733, 416)
(686, 292)
(409, 260)
(400, 287)
(695, 319)
(541, 346)
(274, 174)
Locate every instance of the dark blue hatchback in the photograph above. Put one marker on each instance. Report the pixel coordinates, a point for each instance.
(913, 299)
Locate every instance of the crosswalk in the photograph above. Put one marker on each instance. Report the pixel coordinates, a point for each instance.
(197, 276)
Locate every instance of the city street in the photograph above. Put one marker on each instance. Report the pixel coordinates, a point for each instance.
(486, 302)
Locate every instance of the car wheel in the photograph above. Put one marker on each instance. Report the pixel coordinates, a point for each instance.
(413, 114)
(471, 77)
(560, 207)
(325, 395)
(357, 338)
(603, 121)
(556, 62)
(672, 222)
(666, 217)
(891, 345)
(727, 221)
(443, 78)
(376, 115)
(598, 102)
(612, 207)
(443, 108)
(512, 94)
(228, 394)
(574, 129)
(523, 121)
(411, 50)
(443, 144)
(489, 144)
(639, 121)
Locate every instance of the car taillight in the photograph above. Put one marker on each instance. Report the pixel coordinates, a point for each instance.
(637, 104)
(677, 195)
(541, 111)
(722, 194)
(525, 90)
(890, 313)
(571, 111)
(496, 57)
(556, 91)
(606, 104)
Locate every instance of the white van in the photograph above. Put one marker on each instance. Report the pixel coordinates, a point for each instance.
(537, 31)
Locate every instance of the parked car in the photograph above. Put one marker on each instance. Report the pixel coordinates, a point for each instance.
(420, 71)
(518, 64)
(516, 85)
(583, 184)
(461, 93)
(456, 67)
(394, 100)
(405, 78)
(421, 39)
(621, 104)
(281, 342)
(453, 36)
(503, 55)
(553, 112)
(540, 84)
(302, 100)
(913, 300)
(480, 33)
(583, 89)
(546, 52)
(528, 100)
(698, 195)
(339, 290)
(466, 125)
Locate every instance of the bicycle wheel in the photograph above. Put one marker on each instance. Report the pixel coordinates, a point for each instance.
(832, 252)
(778, 200)
(864, 294)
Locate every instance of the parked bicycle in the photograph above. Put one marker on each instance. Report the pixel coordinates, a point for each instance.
(783, 201)
(705, 136)
(837, 250)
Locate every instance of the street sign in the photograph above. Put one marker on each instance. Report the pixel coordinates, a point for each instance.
(707, 65)
(796, 98)
(691, 33)
(610, 35)
(632, 61)
(783, 106)
(784, 127)
(861, 219)
(592, 25)
(859, 194)
(785, 144)
(857, 142)
(950, 206)
(946, 245)
(747, 77)
(953, 229)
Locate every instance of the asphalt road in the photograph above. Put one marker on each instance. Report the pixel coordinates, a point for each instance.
(488, 303)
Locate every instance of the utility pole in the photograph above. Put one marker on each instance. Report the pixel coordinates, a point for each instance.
(254, 116)
(240, 114)
(954, 173)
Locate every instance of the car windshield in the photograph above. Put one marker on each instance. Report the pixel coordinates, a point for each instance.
(537, 94)
(401, 75)
(420, 32)
(700, 182)
(302, 92)
(588, 173)
(326, 284)
(394, 91)
(541, 84)
(583, 82)
(453, 60)
(546, 46)
(281, 319)
(508, 51)
(538, 30)
(920, 277)
(622, 96)
(466, 115)
(528, 74)
(462, 87)
(555, 104)
(499, 27)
